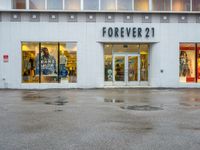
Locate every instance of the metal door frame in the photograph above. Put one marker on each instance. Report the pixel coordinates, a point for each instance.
(126, 82)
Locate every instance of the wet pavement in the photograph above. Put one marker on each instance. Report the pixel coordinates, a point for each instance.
(100, 119)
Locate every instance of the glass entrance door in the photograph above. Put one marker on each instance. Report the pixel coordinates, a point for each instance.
(126, 69)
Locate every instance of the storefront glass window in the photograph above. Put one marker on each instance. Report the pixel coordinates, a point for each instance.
(196, 5)
(108, 5)
(68, 62)
(91, 5)
(72, 4)
(108, 72)
(144, 62)
(37, 4)
(124, 4)
(161, 5)
(55, 4)
(187, 70)
(29, 53)
(48, 62)
(198, 62)
(141, 5)
(19, 4)
(181, 5)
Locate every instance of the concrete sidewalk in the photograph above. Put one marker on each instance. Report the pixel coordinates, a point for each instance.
(100, 119)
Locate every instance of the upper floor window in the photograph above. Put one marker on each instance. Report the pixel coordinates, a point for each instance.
(19, 4)
(55, 4)
(181, 5)
(124, 5)
(91, 5)
(141, 5)
(72, 4)
(37, 4)
(161, 5)
(108, 5)
(196, 5)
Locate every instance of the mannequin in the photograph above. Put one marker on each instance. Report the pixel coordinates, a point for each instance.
(63, 64)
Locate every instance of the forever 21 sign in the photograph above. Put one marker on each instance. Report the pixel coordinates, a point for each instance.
(134, 32)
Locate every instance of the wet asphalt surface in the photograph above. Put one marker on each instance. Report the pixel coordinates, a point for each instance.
(100, 119)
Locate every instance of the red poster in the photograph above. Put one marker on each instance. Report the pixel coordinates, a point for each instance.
(5, 58)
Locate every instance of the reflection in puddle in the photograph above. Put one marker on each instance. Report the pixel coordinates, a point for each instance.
(30, 97)
(113, 101)
(142, 108)
(58, 102)
(192, 102)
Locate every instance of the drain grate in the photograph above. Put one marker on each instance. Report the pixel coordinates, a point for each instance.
(142, 108)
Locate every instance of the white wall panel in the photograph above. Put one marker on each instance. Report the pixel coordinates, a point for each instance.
(164, 52)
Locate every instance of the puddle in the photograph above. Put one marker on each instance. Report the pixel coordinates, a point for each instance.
(193, 103)
(31, 97)
(113, 100)
(142, 108)
(195, 100)
(58, 110)
(58, 103)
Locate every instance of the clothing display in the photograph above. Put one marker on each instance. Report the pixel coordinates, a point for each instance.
(63, 64)
(48, 65)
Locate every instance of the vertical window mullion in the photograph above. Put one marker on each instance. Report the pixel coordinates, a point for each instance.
(59, 77)
(63, 5)
(190, 5)
(171, 5)
(45, 5)
(27, 4)
(196, 61)
(99, 4)
(150, 5)
(133, 4)
(40, 62)
(116, 7)
(81, 1)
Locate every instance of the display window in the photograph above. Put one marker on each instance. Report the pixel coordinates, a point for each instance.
(198, 62)
(187, 70)
(68, 62)
(144, 62)
(49, 62)
(108, 72)
(29, 53)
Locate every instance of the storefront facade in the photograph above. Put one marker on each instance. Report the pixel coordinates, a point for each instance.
(99, 49)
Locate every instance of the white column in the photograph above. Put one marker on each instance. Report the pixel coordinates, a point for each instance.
(82, 5)
(63, 5)
(150, 5)
(133, 5)
(116, 5)
(171, 5)
(99, 4)
(27, 4)
(190, 5)
(45, 7)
